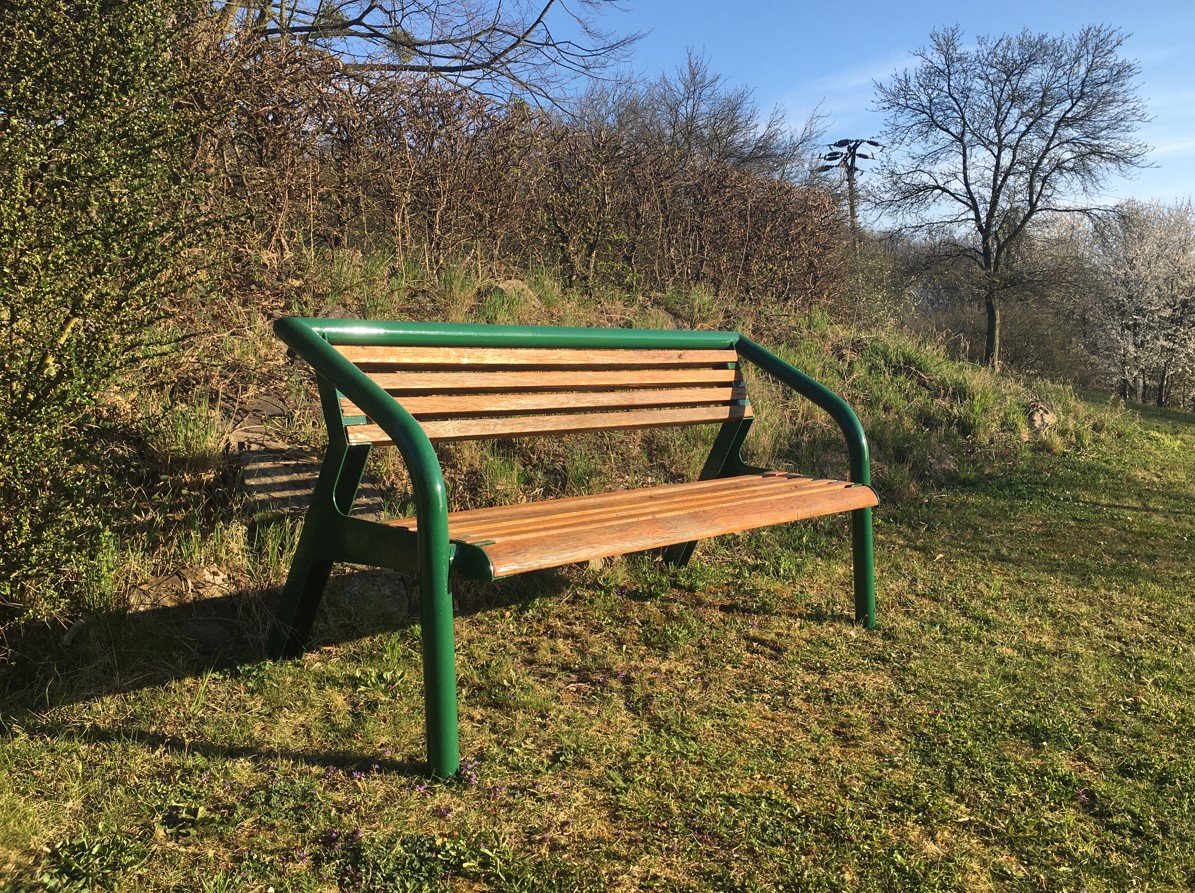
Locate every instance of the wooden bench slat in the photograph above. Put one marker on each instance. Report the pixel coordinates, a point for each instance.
(420, 382)
(581, 358)
(585, 524)
(650, 533)
(503, 403)
(530, 426)
(612, 497)
(657, 500)
(530, 536)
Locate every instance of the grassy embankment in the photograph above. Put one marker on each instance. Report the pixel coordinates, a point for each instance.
(1021, 719)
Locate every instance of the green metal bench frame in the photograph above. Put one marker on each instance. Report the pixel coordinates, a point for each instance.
(331, 534)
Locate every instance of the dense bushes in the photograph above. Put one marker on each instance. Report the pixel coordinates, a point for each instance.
(92, 242)
(435, 175)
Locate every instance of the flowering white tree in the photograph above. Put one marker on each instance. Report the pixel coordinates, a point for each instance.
(1145, 322)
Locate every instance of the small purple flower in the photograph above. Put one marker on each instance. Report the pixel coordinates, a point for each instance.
(443, 812)
(358, 834)
(300, 856)
(358, 775)
(468, 770)
(376, 767)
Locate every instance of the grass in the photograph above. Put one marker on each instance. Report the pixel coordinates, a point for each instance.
(1020, 720)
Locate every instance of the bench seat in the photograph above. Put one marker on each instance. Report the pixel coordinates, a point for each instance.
(492, 543)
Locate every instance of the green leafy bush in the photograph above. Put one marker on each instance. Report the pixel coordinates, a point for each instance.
(93, 231)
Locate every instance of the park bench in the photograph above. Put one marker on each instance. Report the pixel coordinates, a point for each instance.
(410, 385)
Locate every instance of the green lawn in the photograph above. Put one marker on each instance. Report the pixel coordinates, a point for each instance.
(1021, 719)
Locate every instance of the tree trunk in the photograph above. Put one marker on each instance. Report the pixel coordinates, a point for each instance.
(1162, 388)
(991, 348)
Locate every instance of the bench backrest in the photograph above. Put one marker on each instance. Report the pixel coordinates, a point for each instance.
(462, 393)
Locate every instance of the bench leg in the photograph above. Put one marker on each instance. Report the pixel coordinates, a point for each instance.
(296, 611)
(439, 671)
(722, 461)
(864, 555)
(340, 476)
(679, 555)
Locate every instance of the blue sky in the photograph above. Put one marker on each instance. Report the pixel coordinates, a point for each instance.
(799, 55)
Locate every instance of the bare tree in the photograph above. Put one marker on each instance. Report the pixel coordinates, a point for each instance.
(518, 47)
(986, 140)
(695, 113)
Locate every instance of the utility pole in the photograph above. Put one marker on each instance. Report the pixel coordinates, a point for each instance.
(846, 155)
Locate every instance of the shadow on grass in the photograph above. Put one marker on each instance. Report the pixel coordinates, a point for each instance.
(124, 652)
(345, 761)
(1163, 414)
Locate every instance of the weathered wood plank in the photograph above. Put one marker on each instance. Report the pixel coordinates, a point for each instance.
(518, 556)
(503, 403)
(655, 500)
(584, 524)
(563, 504)
(420, 382)
(530, 426)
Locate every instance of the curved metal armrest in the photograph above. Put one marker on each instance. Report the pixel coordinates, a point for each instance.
(818, 393)
(427, 479)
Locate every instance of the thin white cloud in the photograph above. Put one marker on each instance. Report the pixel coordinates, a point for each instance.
(863, 76)
(1185, 146)
(1157, 54)
(845, 96)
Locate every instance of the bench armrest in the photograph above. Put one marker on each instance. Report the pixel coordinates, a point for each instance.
(819, 394)
(427, 478)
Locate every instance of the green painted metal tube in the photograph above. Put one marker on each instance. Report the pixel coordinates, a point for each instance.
(818, 393)
(431, 510)
(309, 570)
(863, 551)
(482, 335)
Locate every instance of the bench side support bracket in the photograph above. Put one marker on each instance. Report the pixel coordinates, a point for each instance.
(860, 464)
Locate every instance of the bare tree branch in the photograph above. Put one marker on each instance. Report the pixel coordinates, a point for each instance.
(490, 46)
